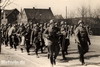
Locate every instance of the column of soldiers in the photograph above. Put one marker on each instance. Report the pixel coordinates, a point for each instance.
(52, 35)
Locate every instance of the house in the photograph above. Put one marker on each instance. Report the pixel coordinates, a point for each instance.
(4, 15)
(9, 16)
(59, 17)
(35, 15)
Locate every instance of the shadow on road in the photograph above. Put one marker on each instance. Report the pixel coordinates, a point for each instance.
(74, 65)
(75, 58)
(88, 63)
(94, 63)
(91, 56)
(79, 65)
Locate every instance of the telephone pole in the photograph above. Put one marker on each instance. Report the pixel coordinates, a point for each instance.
(66, 12)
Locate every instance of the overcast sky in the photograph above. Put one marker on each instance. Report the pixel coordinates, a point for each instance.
(57, 6)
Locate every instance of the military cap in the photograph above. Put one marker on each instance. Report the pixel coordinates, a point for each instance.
(51, 21)
(80, 21)
(62, 22)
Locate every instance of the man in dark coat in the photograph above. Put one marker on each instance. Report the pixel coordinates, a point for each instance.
(0, 39)
(82, 40)
(51, 33)
(35, 38)
(15, 39)
(6, 35)
(21, 37)
(27, 39)
(64, 38)
(42, 44)
(10, 34)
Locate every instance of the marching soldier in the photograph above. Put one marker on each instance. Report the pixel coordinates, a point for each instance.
(10, 34)
(51, 33)
(0, 39)
(83, 41)
(67, 39)
(15, 39)
(6, 35)
(64, 40)
(21, 37)
(27, 39)
(35, 38)
(41, 37)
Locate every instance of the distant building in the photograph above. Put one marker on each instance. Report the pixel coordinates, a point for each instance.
(28, 15)
(59, 17)
(9, 16)
(4, 15)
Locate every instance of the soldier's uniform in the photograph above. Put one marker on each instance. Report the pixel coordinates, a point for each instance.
(4, 34)
(6, 39)
(15, 39)
(64, 41)
(10, 34)
(21, 37)
(51, 33)
(27, 39)
(35, 38)
(41, 38)
(0, 39)
(82, 40)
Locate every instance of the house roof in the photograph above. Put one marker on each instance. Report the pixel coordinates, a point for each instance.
(13, 11)
(59, 17)
(39, 13)
(7, 12)
(43, 14)
(29, 13)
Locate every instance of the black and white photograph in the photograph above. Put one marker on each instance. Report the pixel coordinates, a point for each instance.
(49, 33)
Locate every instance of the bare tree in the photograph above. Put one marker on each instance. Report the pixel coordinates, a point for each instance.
(89, 12)
(6, 3)
(96, 13)
(82, 12)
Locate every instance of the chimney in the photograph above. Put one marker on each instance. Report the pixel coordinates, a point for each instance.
(33, 7)
(49, 8)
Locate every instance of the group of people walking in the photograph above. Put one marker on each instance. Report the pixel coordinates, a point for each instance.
(53, 36)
